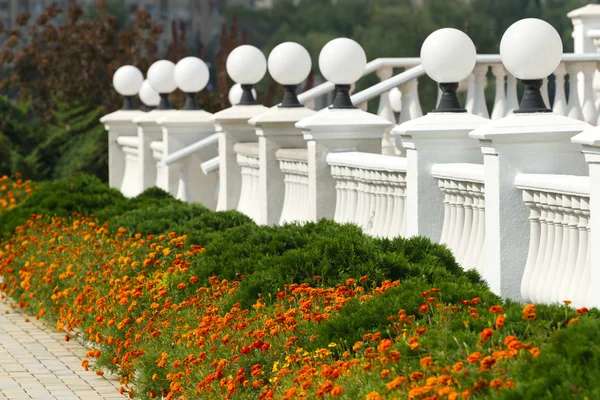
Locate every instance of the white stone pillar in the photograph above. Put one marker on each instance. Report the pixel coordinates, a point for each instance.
(336, 130)
(520, 143)
(180, 130)
(118, 123)
(149, 131)
(590, 139)
(438, 137)
(275, 129)
(232, 126)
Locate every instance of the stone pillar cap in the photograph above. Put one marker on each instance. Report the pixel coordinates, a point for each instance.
(187, 117)
(589, 11)
(534, 127)
(153, 116)
(335, 123)
(435, 122)
(281, 115)
(122, 116)
(240, 113)
(589, 137)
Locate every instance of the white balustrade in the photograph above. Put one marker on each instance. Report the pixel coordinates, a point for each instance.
(158, 149)
(130, 184)
(560, 100)
(370, 191)
(464, 211)
(247, 159)
(558, 264)
(294, 165)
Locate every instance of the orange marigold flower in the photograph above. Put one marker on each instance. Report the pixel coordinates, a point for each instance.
(509, 384)
(458, 367)
(500, 321)
(363, 278)
(181, 286)
(476, 300)
(85, 364)
(416, 376)
(395, 383)
(496, 309)
(535, 352)
(337, 391)
(496, 383)
(317, 278)
(426, 362)
(487, 362)
(350, 282)
(567, 302)
(529, 309)
(424, 308)
(384, 345)
(582, 310)
(486, 334)
(572, 321)
(384, 373)
(374, 396)
(474, 357)
(99, 373)
(421, 331)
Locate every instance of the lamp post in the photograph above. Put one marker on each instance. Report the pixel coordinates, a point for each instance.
(127, 81)
(531, 140)
(289, 64)
(246, 65)
(341, 127)
(442, 136)
(161, 78)
(183, 176)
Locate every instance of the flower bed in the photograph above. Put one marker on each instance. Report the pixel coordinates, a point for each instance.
(233, 310)
(13, 191)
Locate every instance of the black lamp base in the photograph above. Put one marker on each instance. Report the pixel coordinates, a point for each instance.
(532, 101)
(164, 104)
(342, 97)
(290, 99)
(190, 102)
(128, 103)
(247, 97)
(449, 100)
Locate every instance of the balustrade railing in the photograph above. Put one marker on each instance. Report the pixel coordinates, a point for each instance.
(130, 147)
(558, 263)
(294, 165)
(463, 229)
(370, 191)
(247, 159)
(158, 149)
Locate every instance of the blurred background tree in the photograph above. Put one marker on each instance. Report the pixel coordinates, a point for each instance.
(58, 76)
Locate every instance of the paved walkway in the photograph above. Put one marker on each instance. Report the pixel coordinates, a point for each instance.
(37, 363)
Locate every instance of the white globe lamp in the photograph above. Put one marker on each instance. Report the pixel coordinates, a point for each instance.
(235, 94)
(289, 64)
(161, 76)
(246, 65)
(342, 61)
(149, 96)
(395, 97)
(531, 49)
(127, 81)
(448, 56)
(191, 76)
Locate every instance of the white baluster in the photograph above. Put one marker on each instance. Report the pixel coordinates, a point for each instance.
(500, 99)
(470, 101)
(548, 283)
(460, 218)
(479, 104)
(183, 189)
(544, 90)
(531, 199)
(352, 195)
(469, 262)
(468, 221)
(543, 245)
(512, 100)
(404, 208)
(452, 188)
(385, 107)
(411, 105)
(589, 106)
(567, 279)
(446, 226)
(559, 276)
(582, 255)
(574, 109)
(560, 100)
(478, 253)
(550, 221)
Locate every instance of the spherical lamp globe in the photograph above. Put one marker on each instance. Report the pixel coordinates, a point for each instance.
(289, 63)
(342, 61)
(531, 49)
(246, 65)
(395, 97)
(161, 76)
(127, 80)
(235, 94)
(149, 96)
(448, 55)
(191, 74)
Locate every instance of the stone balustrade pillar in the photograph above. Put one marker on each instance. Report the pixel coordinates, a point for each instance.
(519, 143)
(336, 130)
(119, 123)
(275, 129)
(232, 126)
(438, 137)
(179, 130)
